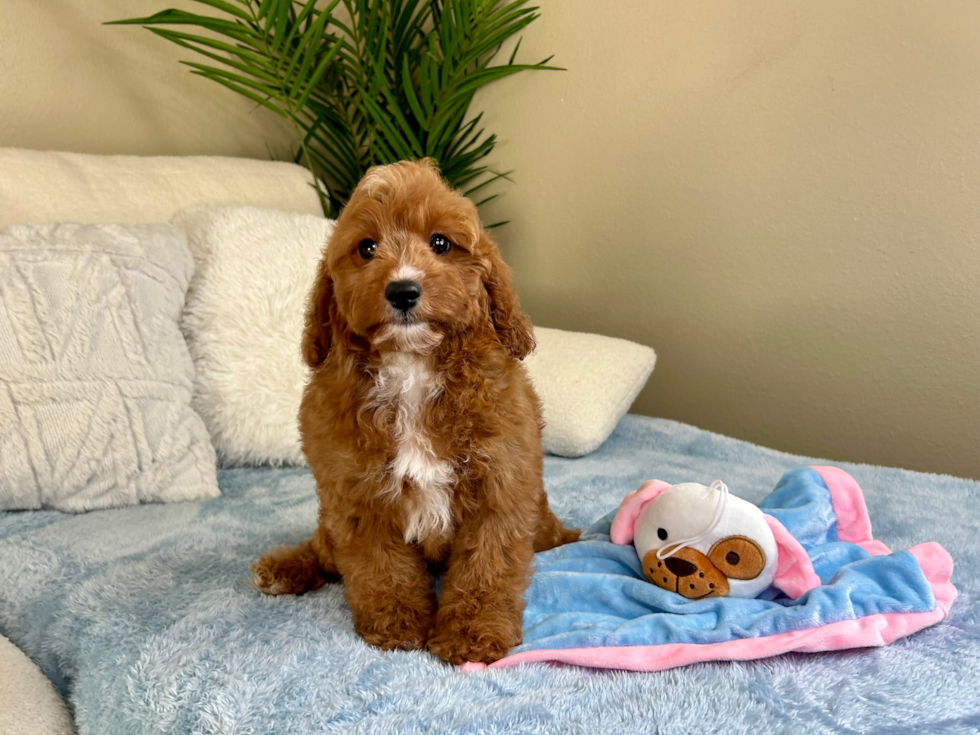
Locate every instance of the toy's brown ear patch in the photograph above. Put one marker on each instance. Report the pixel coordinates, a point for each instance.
(738, 557)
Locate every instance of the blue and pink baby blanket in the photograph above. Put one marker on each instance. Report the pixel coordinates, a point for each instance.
(589, 604)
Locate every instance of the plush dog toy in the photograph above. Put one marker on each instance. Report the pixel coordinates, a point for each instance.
(704, 542)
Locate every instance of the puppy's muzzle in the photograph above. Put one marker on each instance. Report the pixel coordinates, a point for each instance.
(403, 295)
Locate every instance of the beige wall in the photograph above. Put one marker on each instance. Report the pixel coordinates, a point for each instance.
(67, 82)
(782, 198)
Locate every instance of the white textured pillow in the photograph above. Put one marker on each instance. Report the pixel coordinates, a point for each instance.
(95, 377)
(243, 322)
(587, 383)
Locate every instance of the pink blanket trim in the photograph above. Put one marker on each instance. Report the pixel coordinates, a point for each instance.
(853, 525)
(853, 521)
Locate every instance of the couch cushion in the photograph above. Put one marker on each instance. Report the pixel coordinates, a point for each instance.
(46, 186)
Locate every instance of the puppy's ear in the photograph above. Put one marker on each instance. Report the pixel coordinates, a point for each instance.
(318, 333)
(513, 327)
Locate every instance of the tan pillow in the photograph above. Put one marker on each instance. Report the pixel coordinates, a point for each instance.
(587, 383)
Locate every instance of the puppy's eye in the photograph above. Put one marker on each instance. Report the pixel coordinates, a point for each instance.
(440, 244)
(366, 248)
(662, 534)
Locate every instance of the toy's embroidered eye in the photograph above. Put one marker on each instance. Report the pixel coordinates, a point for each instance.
(662, 534)
(440, 244)
(738, 557)
(366, 248)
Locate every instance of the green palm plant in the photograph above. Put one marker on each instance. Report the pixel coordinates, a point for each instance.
(362, 82)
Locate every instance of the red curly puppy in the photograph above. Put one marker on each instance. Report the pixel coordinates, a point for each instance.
(420, 425)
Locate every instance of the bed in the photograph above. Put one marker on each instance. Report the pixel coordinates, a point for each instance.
(146, 621)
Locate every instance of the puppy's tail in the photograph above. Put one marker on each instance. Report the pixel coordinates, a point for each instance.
(292, 570)
(551, 532)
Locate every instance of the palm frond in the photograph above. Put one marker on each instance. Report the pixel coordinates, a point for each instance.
(382, 81)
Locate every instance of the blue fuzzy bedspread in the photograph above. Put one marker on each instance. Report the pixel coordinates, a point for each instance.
(145, 618)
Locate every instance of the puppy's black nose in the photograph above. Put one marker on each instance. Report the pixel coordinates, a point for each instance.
(403, 295)
(680, 567)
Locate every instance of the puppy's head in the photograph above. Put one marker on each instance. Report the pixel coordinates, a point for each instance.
(407, 265)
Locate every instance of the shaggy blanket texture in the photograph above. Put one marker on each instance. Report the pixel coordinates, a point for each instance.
(145, 618)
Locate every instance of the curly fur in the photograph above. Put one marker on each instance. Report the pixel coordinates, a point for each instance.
(423, 432)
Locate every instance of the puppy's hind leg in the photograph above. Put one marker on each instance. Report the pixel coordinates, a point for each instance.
(292, 570)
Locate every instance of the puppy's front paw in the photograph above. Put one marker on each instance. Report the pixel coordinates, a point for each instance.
(288, 570)
(272, 578)
(404, 630)
(267, 581)
(483, 638)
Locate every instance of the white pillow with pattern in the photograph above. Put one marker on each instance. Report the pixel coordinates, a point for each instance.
(95, 376)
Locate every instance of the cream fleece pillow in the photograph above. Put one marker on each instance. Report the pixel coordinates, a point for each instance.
(243, 322)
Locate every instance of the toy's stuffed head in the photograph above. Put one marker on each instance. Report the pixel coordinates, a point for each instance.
(701, 541)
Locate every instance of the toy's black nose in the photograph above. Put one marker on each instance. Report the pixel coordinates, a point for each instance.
(680, 567)
(403, 295)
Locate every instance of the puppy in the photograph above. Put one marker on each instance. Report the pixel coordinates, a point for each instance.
(420, 425)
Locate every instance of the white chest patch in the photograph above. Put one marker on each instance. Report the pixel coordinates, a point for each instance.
(404, 384)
